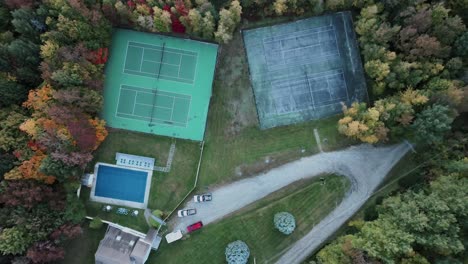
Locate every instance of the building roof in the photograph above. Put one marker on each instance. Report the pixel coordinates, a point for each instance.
(119, 247)
(135, 161)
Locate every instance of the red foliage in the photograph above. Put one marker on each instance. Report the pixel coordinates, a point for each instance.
(131, 4)
(44, 252)
(16, 4)
(99, 56)
(177, 26)
(66, 231)
(83, 133)
(73, 158)
(180, 7)
(27, 193)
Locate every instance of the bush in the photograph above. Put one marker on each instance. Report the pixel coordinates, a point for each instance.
(284, 222)
(157, 213)
(96, 223)
(237, 252)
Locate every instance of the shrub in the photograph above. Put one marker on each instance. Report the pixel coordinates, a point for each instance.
(237, 252)
(284, 222)
(157, 213)
(96, 223)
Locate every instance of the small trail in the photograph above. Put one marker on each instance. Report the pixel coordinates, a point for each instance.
(366, 167)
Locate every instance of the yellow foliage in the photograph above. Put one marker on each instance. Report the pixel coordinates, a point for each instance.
(48, 49)
(14, 174)
(413, 97)
(280, 6)
(371, 139)
(29, 126)
(345, 120)
(373, 114)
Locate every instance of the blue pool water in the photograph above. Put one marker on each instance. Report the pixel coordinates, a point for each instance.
(121, 183)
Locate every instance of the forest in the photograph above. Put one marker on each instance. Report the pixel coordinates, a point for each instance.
(415, 55)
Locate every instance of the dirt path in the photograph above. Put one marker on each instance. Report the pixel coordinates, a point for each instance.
(366, 166)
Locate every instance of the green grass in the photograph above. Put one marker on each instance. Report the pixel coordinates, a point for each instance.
(82, 249)
(166, 188)
(308, 201)
(95, 209)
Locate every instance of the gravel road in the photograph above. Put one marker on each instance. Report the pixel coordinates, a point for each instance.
(366, 167)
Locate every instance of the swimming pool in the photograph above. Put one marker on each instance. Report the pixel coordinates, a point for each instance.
(119, 185)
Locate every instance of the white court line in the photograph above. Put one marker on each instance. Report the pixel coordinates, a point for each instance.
(336, 42)
(165, 51)
(328, 88)
(185, 124)
(161, 63)
(188, 113)
(134, 101)
(195, 70)
(310, 92)
(118, 99)
(145, 88)
(180, 63)
(142, 56)
(172, 109)
(347, 42)
(154, 105)
(139, 73)
(126, 56)
(278, 37)
(170, 96)
(295, 65)
(298, 80)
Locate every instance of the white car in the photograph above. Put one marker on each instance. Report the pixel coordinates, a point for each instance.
(186, 212)
(202, 198)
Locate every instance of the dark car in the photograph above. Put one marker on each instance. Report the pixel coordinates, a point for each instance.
(195, 226)
(202, 198)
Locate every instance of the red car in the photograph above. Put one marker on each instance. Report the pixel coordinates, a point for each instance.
(195, 226)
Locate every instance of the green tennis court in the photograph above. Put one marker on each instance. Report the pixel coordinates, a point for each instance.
(156, 107)
(159, 84)
(160, 62)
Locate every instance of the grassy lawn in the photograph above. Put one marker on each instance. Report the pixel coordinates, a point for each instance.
(81, 250)
(308, 201)
(95, 209)
(166, 188)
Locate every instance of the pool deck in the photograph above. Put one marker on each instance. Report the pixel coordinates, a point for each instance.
(119, 202)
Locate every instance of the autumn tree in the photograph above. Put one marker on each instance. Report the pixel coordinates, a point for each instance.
(208, 25)
(228, 21)
(11, 136)
(14, 240)
(162, 20)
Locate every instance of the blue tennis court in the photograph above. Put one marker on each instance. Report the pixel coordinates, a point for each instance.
(121, 183)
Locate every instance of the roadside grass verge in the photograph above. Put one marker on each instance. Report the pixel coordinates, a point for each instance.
(308, 201)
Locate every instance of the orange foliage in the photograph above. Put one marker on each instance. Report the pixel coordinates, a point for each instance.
(29, 169)
(101, 132)
(37, 99)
